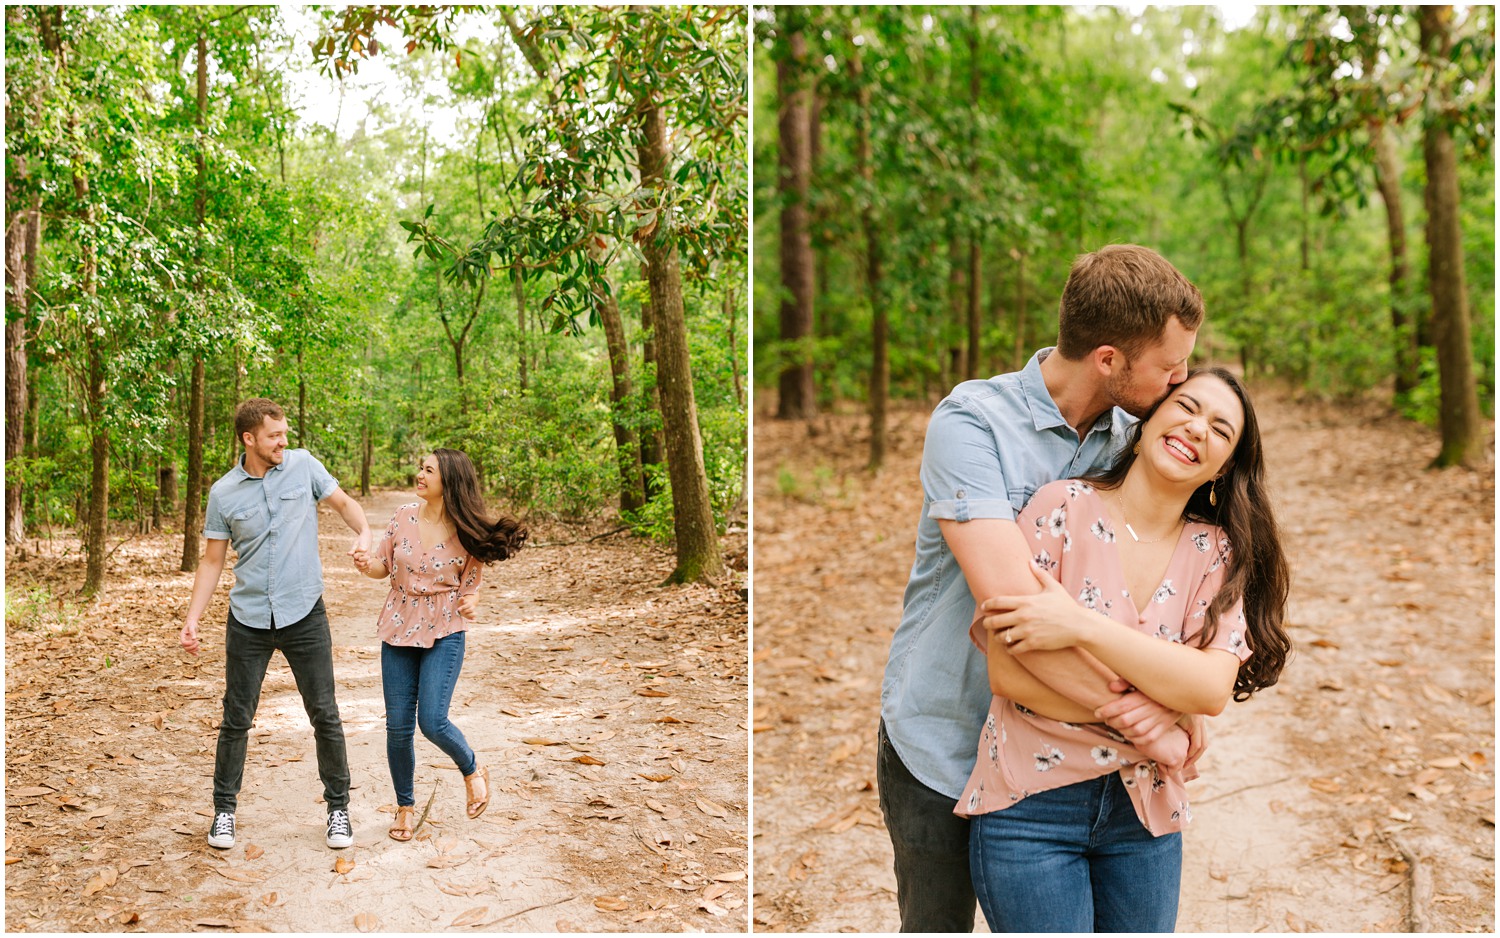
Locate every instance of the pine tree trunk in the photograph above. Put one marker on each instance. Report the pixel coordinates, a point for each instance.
(519, 286)
(652, 445)
(796, 399)
(17, 309)
(1458, 410)
(698, 556)
(1388, 181)
(192, 512)
(880, 362)
(976, 233)
(627, 450)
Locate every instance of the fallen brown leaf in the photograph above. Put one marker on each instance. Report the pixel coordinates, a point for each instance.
(611, 903)
(343, 865)
(366, 921)
(709, 808)
(474, 916)
(252, 852)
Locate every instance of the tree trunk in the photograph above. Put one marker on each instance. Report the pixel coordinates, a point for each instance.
(698, 554)
(731, 310)
(1388, 181)
(1459, 405)
(795, 400)
(627, 450)
(880, 362)
(653, 446)
(17, 309)
(519, 287)
(192, 514)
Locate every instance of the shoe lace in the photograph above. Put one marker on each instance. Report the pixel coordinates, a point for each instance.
(338, 822)
(223, 824)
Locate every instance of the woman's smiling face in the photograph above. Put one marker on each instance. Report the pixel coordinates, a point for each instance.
(1194, 432)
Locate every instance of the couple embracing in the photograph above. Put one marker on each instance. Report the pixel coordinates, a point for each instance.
(432, 552)
(1097, 569)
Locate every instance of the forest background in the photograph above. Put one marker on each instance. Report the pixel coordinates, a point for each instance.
(528, 241)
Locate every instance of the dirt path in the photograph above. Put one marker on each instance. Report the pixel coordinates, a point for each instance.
(1374, 753)
(610, 710)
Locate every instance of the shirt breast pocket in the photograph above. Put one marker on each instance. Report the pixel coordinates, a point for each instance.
(247, 523)
(292, 507)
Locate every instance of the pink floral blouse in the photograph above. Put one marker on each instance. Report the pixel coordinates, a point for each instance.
(426, 583)
(1021, 752)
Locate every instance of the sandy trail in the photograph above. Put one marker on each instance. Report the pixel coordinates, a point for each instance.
(1379, 737)
(610, 710)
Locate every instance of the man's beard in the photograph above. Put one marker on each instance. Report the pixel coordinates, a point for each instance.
(1133, 402)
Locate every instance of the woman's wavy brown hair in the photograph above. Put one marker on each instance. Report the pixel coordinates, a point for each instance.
(486, 540)
(1258, 571)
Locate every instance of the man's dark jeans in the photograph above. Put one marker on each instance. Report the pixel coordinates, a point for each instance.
(307, 646)
(933, 888)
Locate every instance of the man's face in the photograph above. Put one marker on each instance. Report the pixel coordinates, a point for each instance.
(268, 441)
(1141, 382)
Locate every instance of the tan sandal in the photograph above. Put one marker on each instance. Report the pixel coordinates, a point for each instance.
(477, 803)
(401, 828)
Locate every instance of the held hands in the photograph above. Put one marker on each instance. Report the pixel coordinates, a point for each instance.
(361, 545)
(1043, 621)
(361, 559)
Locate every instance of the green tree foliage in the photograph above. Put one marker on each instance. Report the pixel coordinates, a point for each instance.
(280, 263)
(1003, 142)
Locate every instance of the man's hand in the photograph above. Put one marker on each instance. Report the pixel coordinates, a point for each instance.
(468, 606)
(189, 637)
(1150, 727)
(1196, 725)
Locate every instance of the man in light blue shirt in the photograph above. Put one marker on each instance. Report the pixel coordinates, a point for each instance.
(1127, 324)
(267, 506)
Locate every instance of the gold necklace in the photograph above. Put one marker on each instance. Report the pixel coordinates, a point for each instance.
(1134, 536)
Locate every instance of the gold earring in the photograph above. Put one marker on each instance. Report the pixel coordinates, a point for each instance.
(1213, 493)
(1137, 448)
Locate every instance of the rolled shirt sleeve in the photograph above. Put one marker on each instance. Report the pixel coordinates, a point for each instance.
(961, 467)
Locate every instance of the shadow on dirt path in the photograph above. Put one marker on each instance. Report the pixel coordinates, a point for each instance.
(610, 710)
(1358, 794)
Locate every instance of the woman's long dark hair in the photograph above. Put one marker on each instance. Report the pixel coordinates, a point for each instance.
(1258, 570)
(486, 540)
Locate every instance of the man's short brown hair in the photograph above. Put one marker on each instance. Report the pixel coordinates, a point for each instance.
(252, 413)
(1122, 295)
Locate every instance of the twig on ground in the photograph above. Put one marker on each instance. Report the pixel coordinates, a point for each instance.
(1419, 879)
(533, 909)
(428, 807)
(1243, 788)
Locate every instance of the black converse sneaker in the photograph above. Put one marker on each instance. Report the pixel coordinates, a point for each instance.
(221, 834)
(340, 831)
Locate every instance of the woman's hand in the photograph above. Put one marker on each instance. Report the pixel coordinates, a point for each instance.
(1044, 621)
(361, 560)
(468, 606)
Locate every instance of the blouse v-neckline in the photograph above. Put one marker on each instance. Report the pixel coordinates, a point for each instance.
(422, 548)
(1182, 536)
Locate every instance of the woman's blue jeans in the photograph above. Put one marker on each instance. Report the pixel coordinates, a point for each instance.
(418, 685)
(1074, 859)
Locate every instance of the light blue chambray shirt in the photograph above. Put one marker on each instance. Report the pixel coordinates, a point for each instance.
(272, 523)
(990, 445)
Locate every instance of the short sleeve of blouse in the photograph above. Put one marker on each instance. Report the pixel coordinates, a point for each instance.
(1230, 632)
(961, 473)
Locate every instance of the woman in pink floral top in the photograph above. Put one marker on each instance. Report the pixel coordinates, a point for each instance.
(1177, 552)
(433, 551)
